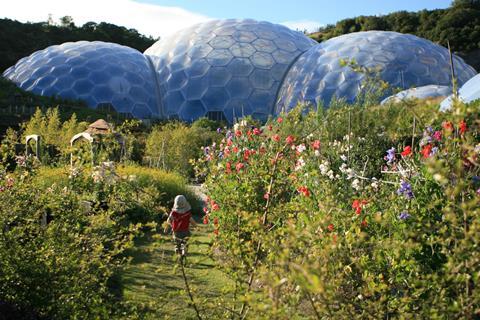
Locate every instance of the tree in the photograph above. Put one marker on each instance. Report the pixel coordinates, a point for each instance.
(67, 21)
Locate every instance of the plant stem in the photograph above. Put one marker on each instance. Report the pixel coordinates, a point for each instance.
(182, 264)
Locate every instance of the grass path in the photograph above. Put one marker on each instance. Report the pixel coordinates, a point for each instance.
(154, 282)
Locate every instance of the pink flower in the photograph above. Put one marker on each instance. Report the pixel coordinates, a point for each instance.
(257, 131)
(266, 196)
(215, 206)
(239, 166)
(426, 151)
(316, 144)
(462, 127)
(290, 139)
(229, 168)
(205, 219)
(280, 120)
(437, 135)
(276, 138)
(238, 133)
(330, 227)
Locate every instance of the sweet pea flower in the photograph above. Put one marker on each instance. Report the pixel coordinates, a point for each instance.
(426, 151)
(407, 151)
(404, 215)
(405, 190)
(279, 119)
(257, 131)
(290, 140)
(239, 166)
(316, 144)
(304, 190)
(437, 135)
(390, 157)
(462, 127)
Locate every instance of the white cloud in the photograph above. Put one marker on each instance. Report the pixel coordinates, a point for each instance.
(148, 19)
(300, 25)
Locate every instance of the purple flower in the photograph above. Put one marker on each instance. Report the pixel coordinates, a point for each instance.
(220, 155)
(478, 192)
(405, 190)
(229, 134)
(206, 150)
(219, 130)
(390, 155)
(404, 215)
(434, 151)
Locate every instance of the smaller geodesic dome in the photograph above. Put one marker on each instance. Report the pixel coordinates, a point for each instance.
(402, 60)
(469, 92)
(99, 73)
(425, 92)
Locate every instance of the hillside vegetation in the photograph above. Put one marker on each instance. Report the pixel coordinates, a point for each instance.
(459, 24)
(18, 40)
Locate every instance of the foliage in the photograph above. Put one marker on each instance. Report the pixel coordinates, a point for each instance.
(358, 213)
(64, 233)
(22, 39)
(173, 145)
(458, 24)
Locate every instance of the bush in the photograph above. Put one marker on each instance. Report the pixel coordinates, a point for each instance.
(359, 213)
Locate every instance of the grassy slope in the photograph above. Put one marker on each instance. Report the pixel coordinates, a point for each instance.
(153, 279)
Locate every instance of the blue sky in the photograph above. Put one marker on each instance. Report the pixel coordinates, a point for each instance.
(279, 11)
(160, 18)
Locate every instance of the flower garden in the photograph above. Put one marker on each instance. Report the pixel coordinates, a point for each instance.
(355, 211)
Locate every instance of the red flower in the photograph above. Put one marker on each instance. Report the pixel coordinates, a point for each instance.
(239, 166)
(304, 190)
(226, 151)
(426, 151)
(205, 219)
(290, 139)
(249, 133)
(235, 149)
(407, 151)
(280, 120)
(215, 206)
(447, 125)
(246, 155)
(257, 131)
(229, 142)
(364, 223)
(357, 205)
(270, 128)
(215, 232)
(229, 167)
(330, 227)
(215, 221)
(238, 133)
(205, 209)
(462, 127)
(316, 144)
(276, 138)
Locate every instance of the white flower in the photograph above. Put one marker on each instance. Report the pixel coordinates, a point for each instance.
(330, 175)
(343, 168)
(300, 164)
(317, 153)
(343, 157)
(301, 148)
(356, 184)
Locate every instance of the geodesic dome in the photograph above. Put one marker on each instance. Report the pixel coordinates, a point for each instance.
(96, 72)
(425, 92)
(469, 92)
(403, 60)
(224, 68)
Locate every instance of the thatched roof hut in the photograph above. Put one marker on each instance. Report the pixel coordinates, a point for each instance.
(100, 127)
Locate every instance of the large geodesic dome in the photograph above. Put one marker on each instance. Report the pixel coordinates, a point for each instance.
(425, 92)
(225, 68)
(96, 72)
(402, 60)
(469, 92)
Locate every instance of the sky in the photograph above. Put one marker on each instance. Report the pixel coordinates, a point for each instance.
(159, 18)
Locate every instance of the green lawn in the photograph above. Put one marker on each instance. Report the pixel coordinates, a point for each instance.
(153, 281)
